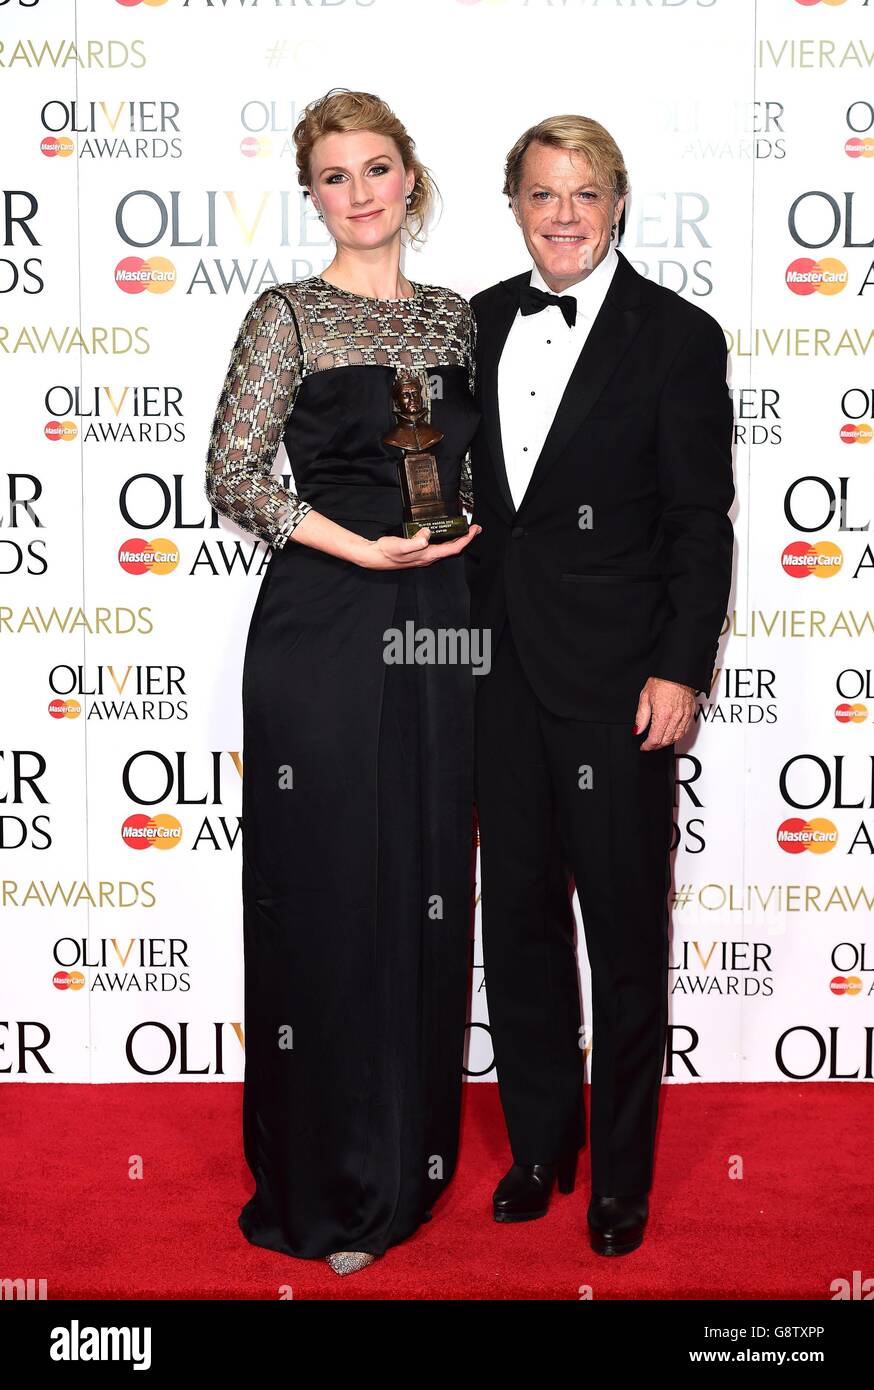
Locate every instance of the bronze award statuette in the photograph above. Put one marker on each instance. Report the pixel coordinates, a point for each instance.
(417, 470)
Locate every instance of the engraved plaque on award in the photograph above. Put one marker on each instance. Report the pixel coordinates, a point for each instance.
(423, 501)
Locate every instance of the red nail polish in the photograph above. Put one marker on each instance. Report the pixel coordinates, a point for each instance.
(634, 730)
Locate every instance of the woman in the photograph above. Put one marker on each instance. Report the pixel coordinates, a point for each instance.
(357, 782)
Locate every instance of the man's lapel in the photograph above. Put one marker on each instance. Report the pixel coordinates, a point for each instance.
(491, 336)
(616, 324)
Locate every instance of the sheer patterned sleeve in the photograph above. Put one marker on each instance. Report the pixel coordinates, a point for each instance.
(465, 489)
(257, 395)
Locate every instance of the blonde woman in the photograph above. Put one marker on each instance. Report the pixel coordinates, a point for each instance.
(357, 782)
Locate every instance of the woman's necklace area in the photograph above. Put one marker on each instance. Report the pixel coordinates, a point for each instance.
(357, 294)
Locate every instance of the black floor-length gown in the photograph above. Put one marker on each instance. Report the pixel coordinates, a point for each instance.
(357, 774)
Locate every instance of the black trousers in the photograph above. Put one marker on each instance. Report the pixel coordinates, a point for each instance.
(561, 799)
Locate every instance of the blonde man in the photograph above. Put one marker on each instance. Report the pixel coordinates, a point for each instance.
(602, 479)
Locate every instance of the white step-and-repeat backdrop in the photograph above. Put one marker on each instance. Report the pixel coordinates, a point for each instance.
(159, 133)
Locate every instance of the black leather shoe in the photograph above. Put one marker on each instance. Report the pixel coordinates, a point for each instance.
(523, 1193)
(616, 1224)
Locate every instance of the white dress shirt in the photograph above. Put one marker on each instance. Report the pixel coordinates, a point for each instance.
(538, 357)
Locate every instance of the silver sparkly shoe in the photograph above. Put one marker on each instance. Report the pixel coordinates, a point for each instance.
(348, 1261)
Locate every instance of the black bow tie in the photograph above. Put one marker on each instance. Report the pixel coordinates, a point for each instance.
(532, 300)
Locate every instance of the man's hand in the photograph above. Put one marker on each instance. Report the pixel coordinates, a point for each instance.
(668, 709)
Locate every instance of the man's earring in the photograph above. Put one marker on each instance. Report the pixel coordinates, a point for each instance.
(613, 231)
(321, 216)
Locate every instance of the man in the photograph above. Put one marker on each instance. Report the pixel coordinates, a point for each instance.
(602, 478)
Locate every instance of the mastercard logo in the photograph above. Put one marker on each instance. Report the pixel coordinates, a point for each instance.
(56, 146)
(828, 276)
(796, 835)
(801, 559)
(846, 984)
(135, 276)
(148, 557)
(856, 434)
(66, 430)
(68, 979)
(64, 709)
(154, 4)
(151, 832)
(859, 147)
(851, 714)
(808, 3)
(255, 146)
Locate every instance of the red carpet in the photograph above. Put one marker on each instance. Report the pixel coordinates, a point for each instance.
(800, 1217)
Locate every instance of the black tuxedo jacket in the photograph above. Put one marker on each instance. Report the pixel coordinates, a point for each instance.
(643, 436)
